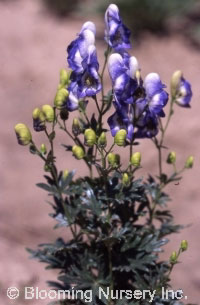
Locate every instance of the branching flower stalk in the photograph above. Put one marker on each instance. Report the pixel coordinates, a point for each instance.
(119, 222)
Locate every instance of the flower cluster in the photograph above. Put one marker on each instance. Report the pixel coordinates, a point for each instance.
(138, 104)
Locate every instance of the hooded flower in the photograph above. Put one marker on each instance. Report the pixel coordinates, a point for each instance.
(147, 127)
(122, 72)
(130, 117)
(184, 93)
(117, 35)
(82, 59)
(89, 83)
(117, 122)
(156, 97)
(78, 49)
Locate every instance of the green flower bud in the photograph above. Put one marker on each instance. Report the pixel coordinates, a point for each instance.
(184, 245)
(125, 179)
(64, 77)
(78, 152)
(173, 258)
(37, 114)
(120, 137)
(43, 149)
(76, 128)
(189, 162)
(136, 159)
(65, 174)
(48, 113)
(23, 134)
(38, 119)
(175, 82)
(171, 159)
(113, 159)
(64, 114)
(102, 141)
(60, 98)
(90, 137)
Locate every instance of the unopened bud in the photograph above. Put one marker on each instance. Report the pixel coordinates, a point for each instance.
(76, 128)
(184, 245)
(125, 179)
(36, 113)
(23, 134)
(43, 149)
(136, 159)
(173, 257)
(78, 152)
(102, 141)
(38, 119)
(48, 113)
(175, 82)
(60, 98)
(65, 174)
(113, 159)
(189, 162)
(64, 77)
(90, 137)
(120, 137)
(171, 159)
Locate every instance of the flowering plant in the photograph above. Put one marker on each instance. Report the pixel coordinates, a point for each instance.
(119, 223)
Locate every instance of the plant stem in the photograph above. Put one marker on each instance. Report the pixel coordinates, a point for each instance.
(159, 144)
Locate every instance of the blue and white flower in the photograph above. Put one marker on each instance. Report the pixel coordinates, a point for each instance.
(117, 122)
(78, 49)
(89, 83)
(117, 35)
(184, 93)
(82, 59)
(122, 72)
(148, 127)
(156, 97)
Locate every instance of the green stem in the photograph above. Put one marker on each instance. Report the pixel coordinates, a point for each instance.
(53, 171)
(102, 89)
(159, 144)
(96, 102)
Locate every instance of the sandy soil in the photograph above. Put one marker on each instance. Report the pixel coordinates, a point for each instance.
(32, 48)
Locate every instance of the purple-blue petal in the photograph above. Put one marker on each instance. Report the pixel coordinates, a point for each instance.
(117, 34)
(185, 93)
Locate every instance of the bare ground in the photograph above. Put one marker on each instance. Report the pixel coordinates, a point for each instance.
(32, 48)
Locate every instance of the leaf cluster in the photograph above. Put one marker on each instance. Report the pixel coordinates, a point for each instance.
(115, 241)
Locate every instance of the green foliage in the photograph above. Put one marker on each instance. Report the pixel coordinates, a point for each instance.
(107, 225)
